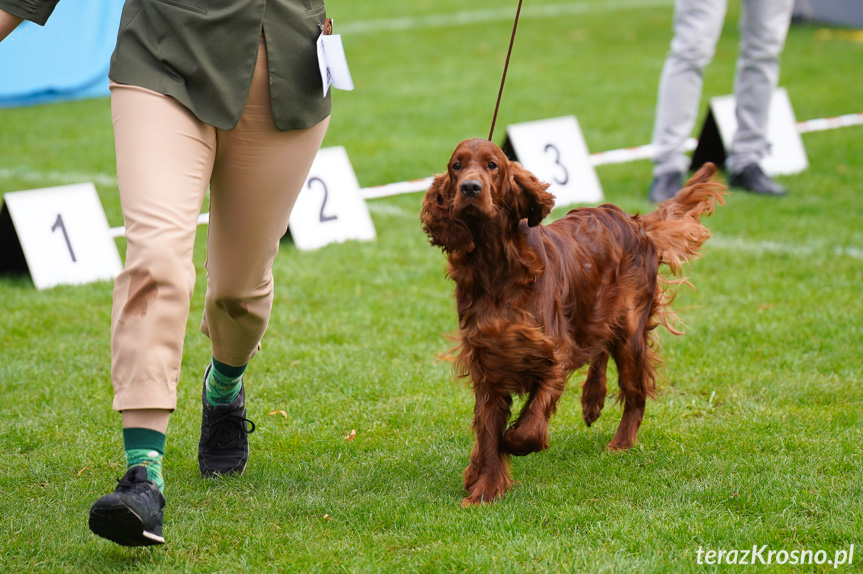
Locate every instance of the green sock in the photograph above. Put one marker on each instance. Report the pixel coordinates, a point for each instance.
(223, 383)
(145, 447)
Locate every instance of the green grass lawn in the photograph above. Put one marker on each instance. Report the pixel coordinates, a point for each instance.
(755, 438)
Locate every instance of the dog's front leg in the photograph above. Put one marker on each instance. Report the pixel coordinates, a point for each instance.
(487, 477)
(529, 433)
(473, 470)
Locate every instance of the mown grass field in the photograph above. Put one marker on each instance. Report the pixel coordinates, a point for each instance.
(755, 438)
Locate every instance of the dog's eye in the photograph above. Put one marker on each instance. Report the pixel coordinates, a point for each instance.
(492, 165)
(456, 166)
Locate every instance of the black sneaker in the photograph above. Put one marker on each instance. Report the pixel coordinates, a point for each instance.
(665, 186)
(224, 444)
(132, 514)
(753, 179)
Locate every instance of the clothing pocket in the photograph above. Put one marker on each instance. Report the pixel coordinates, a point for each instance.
(184, 6)
(315, 7)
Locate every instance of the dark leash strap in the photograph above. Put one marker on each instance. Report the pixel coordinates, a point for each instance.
(505, 67)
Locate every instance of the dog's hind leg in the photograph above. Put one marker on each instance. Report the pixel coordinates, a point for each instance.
(627, 431)
(635, 366)
(594, 390)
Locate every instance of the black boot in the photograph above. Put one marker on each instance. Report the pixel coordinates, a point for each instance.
(753, 179)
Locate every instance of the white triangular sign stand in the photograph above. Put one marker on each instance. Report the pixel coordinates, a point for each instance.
(63, 234)
(787, 154)
(330, 209)
(555, 151)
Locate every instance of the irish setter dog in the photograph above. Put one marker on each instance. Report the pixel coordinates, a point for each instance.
(536, 302)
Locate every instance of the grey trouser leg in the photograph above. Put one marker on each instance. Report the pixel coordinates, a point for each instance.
(763, 28)
(697, 26)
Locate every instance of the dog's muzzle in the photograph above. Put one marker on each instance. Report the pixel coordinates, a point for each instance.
(471, 187)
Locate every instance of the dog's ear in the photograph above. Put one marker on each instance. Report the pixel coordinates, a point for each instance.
(533, 201)
(447, 233)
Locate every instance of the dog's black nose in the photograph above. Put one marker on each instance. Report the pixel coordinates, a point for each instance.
(471, 187)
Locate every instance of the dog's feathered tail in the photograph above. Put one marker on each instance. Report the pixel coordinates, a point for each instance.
(676, 231)
(675, 227)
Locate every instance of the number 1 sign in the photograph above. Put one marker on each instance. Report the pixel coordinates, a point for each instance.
(63, 234)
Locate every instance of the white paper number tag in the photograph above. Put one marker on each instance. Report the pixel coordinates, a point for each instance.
(64, 235)
(330, 208)
(555, 151)
(333, 63)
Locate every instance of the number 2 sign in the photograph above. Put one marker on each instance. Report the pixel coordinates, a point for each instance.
(555, 151)
(63, 234)
(330, 208)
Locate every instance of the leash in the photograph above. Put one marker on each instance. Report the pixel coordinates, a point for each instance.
(505, 67)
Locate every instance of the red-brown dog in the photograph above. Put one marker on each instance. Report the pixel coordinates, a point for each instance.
(537, 302)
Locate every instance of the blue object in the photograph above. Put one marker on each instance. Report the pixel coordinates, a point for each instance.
(67, 59)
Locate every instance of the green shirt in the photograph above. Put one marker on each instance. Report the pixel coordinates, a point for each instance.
(37, 11)
(203, 53)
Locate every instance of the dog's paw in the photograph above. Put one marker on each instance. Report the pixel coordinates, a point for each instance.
(619, 445)
(488, 488)
(482, 496)
(469, 501)
(519, 443)
(590, 413)
(592, 401)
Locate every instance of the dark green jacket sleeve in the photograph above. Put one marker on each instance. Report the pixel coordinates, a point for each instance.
(203, 53)
(37, 11)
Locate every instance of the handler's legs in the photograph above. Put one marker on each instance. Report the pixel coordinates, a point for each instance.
(164, 161)
(258, 174)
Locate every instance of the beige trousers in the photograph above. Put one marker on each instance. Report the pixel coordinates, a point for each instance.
(166, 158)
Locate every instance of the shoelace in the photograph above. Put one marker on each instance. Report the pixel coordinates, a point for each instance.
(126, 483)
(219, 426)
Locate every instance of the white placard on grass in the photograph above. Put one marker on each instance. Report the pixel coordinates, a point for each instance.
(330, 208)
(64, 235)
(787, 154)
(555, 151)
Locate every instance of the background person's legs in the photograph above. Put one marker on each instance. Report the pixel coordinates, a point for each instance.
(697, 26)
(763, 28)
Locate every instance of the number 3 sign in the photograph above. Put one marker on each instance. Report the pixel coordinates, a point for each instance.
(63, 234)
(330, 208)
(555, 151)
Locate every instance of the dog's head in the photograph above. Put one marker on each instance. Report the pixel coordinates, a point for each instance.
(481, 187)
